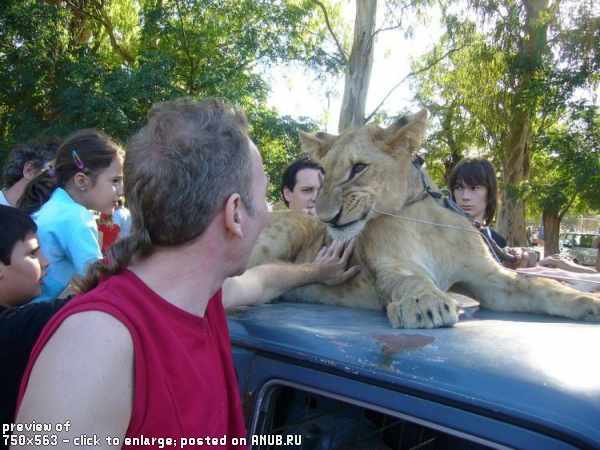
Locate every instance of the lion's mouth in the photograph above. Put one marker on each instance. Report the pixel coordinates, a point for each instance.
(346, 225)
(347, 231)
(349, 224)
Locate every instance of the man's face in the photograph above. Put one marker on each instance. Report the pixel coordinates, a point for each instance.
(304, 195)
(256, 222)
(21, 280)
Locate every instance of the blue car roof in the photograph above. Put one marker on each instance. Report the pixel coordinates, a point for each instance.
(541, 371)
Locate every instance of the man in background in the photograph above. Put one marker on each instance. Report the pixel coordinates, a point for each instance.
(300, 185)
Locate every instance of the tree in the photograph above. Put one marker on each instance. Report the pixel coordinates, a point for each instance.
(442, 83)
(357, 64)
(69, 64)
(522, 62)
(566, 171)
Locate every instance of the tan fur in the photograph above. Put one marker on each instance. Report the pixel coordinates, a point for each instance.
(408, 266)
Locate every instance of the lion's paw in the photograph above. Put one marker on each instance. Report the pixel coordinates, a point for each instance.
(427, 311)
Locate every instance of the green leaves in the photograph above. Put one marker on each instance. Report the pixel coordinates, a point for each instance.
(103, 63)
(509, 94)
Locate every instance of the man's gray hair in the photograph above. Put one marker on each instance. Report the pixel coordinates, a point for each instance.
(182, 166)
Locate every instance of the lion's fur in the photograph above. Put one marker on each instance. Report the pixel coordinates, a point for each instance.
(408, 264)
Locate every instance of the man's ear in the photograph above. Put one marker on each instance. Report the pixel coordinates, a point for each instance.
(233, 216)
(316, 145)
(406, 133)
(82, 182)
(30, 171)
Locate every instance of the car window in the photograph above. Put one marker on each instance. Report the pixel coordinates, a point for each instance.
(305, 420)
(586, 241)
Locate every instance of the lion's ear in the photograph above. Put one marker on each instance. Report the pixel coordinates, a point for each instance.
(316, 145)
(406, 133)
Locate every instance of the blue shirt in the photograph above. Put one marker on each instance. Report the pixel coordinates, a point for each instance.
(68, 237)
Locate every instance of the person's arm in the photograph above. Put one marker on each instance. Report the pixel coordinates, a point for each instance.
(263, 283)
(558, 262)
(82, 380)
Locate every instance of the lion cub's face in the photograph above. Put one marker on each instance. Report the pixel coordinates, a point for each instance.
(366, 170)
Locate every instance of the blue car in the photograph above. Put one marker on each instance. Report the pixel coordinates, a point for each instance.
(325, 377)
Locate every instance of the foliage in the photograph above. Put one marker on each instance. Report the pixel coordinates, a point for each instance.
(566, 169)
(70, 64)
(508, 87)
(278, 141)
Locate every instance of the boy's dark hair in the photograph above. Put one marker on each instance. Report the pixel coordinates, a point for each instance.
(288, 179)
(15, 225)
(476, 172)
(88, 151)
(37, 153)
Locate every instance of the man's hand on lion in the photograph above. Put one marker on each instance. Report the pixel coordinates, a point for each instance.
(332, 262)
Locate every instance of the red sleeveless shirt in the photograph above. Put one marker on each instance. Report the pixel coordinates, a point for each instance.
(185, 383)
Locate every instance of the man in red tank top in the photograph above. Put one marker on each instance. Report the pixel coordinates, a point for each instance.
(142, 359)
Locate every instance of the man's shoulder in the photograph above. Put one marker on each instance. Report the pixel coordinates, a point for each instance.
(85, 326)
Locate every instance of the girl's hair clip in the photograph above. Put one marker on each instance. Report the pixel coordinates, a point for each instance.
(49, 168)
(77, 160)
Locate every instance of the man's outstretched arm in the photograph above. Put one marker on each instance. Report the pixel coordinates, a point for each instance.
(263, 283)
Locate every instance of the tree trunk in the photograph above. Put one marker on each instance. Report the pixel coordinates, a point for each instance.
(360, 64)
(511, 215)
(511, 218)
(551, 222)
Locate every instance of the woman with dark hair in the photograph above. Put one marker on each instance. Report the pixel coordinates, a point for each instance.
(473, 186)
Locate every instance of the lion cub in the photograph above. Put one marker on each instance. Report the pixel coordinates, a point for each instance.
(411, 248)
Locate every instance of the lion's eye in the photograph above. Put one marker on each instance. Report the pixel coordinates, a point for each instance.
(356, 169)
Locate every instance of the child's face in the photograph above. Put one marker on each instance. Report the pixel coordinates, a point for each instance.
(472, 199)
(105, 193)
(22, 279)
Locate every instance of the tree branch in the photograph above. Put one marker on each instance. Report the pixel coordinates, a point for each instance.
(337, 42)
(392, 27)
(410, 75)
(100, 17)
(397, 25)
(186, 49)
(566, 208)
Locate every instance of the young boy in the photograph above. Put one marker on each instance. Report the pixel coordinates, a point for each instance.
(22, 267)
